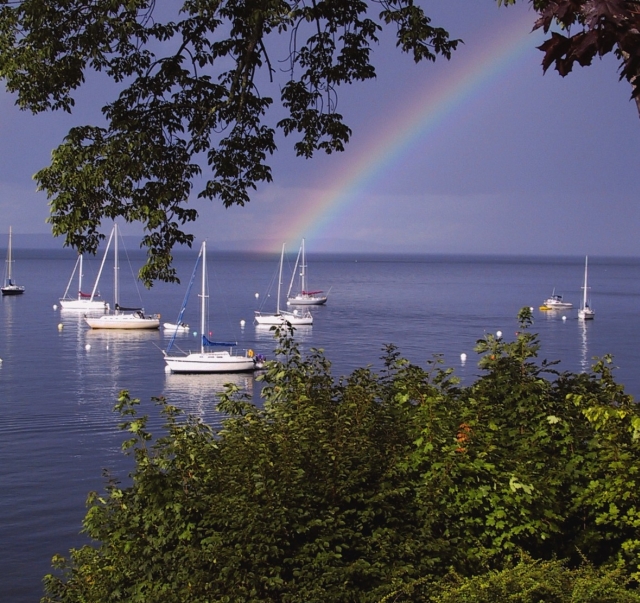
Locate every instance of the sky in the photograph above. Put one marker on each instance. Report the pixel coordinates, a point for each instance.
(482, 154)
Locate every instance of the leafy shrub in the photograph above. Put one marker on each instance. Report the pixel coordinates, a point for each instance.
(401, 485)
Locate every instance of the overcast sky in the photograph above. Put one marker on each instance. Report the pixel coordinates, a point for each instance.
(480, 154)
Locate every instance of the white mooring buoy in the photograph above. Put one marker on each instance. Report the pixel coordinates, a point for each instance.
(60, 326)
(87, 347)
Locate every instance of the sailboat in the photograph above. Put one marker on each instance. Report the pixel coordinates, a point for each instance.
(280, 317)
(85, 301)
(122, 318)
(9, 287)
(304, 297)
(585, 312)
(206, 361)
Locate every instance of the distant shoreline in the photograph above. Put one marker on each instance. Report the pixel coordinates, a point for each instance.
(33, 245)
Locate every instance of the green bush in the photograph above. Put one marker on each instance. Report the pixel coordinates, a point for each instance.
(401, 485)
(531, 582)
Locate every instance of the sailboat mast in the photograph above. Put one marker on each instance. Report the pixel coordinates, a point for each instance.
(104, 259)
(294, 273)
(73, 274)
(303, 268)
(280, 280)
(584, 297)
(115, 268)
(9, 260)
(202, 303)
(80, 278)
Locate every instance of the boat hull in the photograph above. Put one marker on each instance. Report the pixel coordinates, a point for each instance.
(556, 306)
(283, 318)
(123, 322)
(307, 300)
(85, 305)
(169, 326)
(210, 362)
(13, 290)
(586, 314)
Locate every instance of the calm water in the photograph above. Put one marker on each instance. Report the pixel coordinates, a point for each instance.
(57, 428)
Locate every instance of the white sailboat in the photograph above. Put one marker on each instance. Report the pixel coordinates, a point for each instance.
(280, 317)
(304, 297)
(206, 361)
(86, 302)
(9, 287)
(122, 318)
(585, 312)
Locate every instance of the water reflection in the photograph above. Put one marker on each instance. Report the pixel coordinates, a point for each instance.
(122, 336)
(80, 312)
(8, 305)
(115, 359)
(180, 333)
(302, 334)
(70, 319)
(556, 314)
(585, 363)
(198, 394)
(124, 348)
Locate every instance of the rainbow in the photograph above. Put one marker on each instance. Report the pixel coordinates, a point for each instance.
(475, 74)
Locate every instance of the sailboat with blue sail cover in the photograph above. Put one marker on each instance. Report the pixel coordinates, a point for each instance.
(206, 360)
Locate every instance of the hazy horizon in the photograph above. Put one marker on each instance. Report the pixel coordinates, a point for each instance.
(323, 247)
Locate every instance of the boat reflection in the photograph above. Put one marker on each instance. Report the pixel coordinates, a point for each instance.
(197, 394)
(98, 364)
(73, 316)
(181, 332)
(119, 355)
(556, 313)
(116, 336)
(80, 312)
(266, 333)
(9, 327)
(585, 364)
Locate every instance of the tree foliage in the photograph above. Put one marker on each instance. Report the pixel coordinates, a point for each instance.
(589, 29)
(397, 486)
(193, 86)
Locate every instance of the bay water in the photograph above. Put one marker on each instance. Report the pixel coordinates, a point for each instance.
(59, 380)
